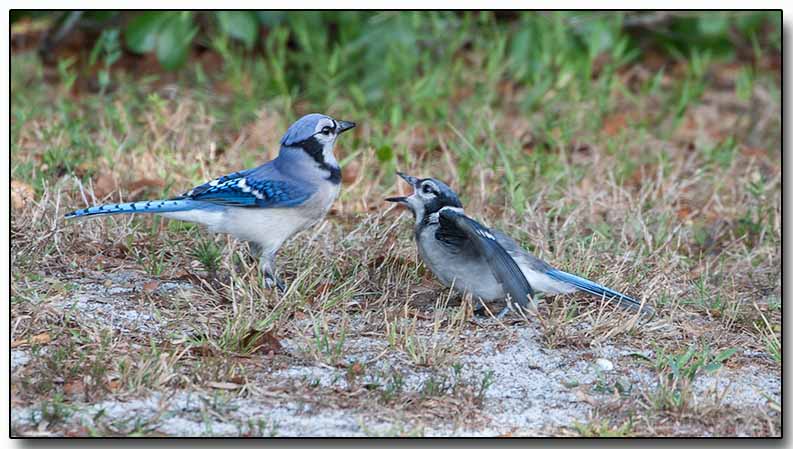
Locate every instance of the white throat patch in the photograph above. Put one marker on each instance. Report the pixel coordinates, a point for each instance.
(433, 219)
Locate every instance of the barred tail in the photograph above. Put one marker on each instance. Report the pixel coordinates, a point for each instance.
(157, 206)
(599, 290)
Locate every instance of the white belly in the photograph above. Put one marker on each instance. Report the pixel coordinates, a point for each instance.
(267, 227)
(270, 228)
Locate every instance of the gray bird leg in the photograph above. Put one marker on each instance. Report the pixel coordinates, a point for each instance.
(267, 265)
(480, 309)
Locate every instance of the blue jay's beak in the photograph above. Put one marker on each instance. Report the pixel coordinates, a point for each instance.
(344, 125)
(403, 199)
(397, 199)
(409, 179)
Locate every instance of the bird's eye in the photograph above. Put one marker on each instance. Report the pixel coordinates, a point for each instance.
(426, 188)
(326, 130)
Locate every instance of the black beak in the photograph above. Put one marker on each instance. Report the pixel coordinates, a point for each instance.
(397, 199)
(345, 126)
(409, 179)
(403, 199)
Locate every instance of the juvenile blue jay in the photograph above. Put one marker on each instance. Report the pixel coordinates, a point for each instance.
(265, 205)
(485, 262)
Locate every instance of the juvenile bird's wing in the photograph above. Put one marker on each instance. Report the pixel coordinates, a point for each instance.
(546, 278)
(520, 255)
(250, 188)
(454, 226)
(596, 289)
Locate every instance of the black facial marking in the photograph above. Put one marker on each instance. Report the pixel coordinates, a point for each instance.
(334, 175)
(443, 197)
(313, 148)
(433, 206)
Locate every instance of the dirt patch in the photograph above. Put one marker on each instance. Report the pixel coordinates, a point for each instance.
(533, 390)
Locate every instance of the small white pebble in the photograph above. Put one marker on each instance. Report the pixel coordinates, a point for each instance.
(604, 365)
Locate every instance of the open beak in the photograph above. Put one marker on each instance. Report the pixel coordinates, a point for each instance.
(397, 199)
(403, 199)
(409, 179)
(345, 126)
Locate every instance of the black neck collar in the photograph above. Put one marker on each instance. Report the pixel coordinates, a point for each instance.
(313, 148)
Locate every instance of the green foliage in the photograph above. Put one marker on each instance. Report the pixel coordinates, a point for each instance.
(109, 49)
(173, 40)
(141, 32)
(385, 153)
(209, 254)
(407, 68)
(677, 373)
(708, 31)
(241, 25)
(53, 411)
(695, 361)
(168, 34)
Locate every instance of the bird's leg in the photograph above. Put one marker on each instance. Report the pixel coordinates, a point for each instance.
(479, 308)
(267, 265)
(486, 310)
(504, 311)
(524, 312)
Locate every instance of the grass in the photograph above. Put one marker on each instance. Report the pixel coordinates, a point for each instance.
(662, 181)
(677, 372)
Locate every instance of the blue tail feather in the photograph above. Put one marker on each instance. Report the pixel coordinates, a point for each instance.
(156, 206)
(597, 289)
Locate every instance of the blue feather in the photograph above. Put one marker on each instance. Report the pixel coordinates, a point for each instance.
(596, 289)
(157, 206)
(248, 191)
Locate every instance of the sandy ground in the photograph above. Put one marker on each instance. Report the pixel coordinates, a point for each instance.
(535, 391)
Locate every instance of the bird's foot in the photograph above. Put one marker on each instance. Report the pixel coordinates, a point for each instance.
(271, 280)
(486, 311)
(268, 272)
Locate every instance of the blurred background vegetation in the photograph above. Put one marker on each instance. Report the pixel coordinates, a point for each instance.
(397, 69)
(376, 56)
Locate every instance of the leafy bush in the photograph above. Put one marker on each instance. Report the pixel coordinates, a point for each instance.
(414, 62)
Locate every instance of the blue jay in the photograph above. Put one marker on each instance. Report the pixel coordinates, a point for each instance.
(485, 262)
(265, 205)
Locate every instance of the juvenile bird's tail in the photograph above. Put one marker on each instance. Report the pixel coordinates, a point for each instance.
(599, 290)
(156, 207)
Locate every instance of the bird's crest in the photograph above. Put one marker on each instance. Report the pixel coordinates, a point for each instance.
(304, 128)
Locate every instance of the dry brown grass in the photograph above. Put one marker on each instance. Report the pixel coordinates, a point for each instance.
(659, 214)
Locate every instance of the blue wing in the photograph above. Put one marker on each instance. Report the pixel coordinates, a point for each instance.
(596, 289)
(456, 226)
(249, 188)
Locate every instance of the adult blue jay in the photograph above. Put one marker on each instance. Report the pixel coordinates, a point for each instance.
(485, 262)
(265, 205)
